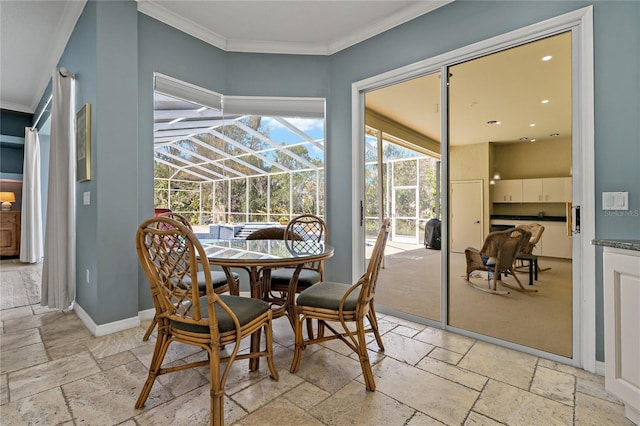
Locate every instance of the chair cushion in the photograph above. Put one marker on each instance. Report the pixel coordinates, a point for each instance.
(328, 295)
(218, 279)
(280, 278)
(245, 308)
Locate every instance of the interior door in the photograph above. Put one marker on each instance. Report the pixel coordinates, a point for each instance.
(466, 216)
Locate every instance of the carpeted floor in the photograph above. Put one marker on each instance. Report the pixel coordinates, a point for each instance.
(410, 282)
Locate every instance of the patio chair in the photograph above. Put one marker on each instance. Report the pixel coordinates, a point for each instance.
(330, 303)
(169, 254)
(497, 257)
(536, 233)
(218, 278)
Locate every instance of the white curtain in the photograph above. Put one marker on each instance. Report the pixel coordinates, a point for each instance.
(31, 248)
(59, 268)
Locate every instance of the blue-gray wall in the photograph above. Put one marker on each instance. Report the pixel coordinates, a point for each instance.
(161, 48)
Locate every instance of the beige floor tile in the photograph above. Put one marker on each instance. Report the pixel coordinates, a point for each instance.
(328, 371)
(12, 341)
(594, 386)
(183, 381)
(446, 355)
(67, 350)
(33, 321)
(423, 391)
(277, 413)
(405, 331)
(111, 344)
(22, 311)
(116, 360)
(476, 419)
(514, 406)
(265, 390)
(306, 395)
(33, 380)
(554, 385)
(23, 357)
(65, 330)
(596, 412)
(373, 408)
(405, 349)
(505, 365)
(420, 419)
(4, 389)
(45, 408)
(108, 398)
(187, 410)
(453, 373)
(445, 339)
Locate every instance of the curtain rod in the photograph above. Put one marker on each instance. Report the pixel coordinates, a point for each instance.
(64, 73)
(44, 108)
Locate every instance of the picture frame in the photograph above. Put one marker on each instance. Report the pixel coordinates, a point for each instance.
(83, 143)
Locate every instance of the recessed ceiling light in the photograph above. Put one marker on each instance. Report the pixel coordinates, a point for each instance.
(533, 140)
(493, 122)
(547, 58)
(544, 101)
(532, 125)
(554, 134)
(524, 139)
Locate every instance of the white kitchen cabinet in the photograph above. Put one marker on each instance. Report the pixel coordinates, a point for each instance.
(507, 191)
(532, 191)
(546, 190)
(621, 270)
(555, 240)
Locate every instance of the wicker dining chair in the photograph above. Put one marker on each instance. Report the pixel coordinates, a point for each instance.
(169, 254)
(219, 278)
(330, 303)
(497, 257)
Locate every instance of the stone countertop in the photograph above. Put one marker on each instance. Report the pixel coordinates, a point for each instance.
(528, 218)
(620, 244)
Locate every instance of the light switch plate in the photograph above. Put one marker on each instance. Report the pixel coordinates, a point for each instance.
(615, 201)
(86, 198)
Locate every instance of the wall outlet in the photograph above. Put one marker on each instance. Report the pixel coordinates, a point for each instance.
(86, 198)
(87, 276)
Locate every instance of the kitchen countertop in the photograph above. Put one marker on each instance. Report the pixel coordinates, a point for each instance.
(620, 244)
(529, 218)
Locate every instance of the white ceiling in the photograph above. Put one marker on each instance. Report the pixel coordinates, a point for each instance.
(33, 33)
(507, 86)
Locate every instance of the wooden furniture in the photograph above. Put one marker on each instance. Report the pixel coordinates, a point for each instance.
(218, 278)
(170, 257)
(333, 304)
(258, 258)
(497, 256)
(9, 233)
(556, 242)
(621, 269)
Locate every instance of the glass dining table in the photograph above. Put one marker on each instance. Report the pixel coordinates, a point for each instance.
(258, 258)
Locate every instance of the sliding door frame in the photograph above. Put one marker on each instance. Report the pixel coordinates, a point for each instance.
(580, 23)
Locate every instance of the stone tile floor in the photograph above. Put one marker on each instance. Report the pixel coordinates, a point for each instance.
(53, 371)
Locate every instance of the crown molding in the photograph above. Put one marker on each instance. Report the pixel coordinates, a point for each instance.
(162, 14)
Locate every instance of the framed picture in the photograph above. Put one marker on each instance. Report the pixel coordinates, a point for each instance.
(83, 143)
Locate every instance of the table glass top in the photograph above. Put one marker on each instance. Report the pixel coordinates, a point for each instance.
(263, 250)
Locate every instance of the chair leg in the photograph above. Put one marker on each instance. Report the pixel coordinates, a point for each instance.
(297, 354)
(268, 331)
(153, 324)
(160, 350)
(373, 321)
(216, 389)
(363, 356)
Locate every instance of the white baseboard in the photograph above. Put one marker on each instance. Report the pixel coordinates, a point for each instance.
(104, 329)
(146, 314)
(600, 368)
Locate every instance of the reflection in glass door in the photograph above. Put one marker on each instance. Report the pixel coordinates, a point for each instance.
(402, 180)
(510, 126)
